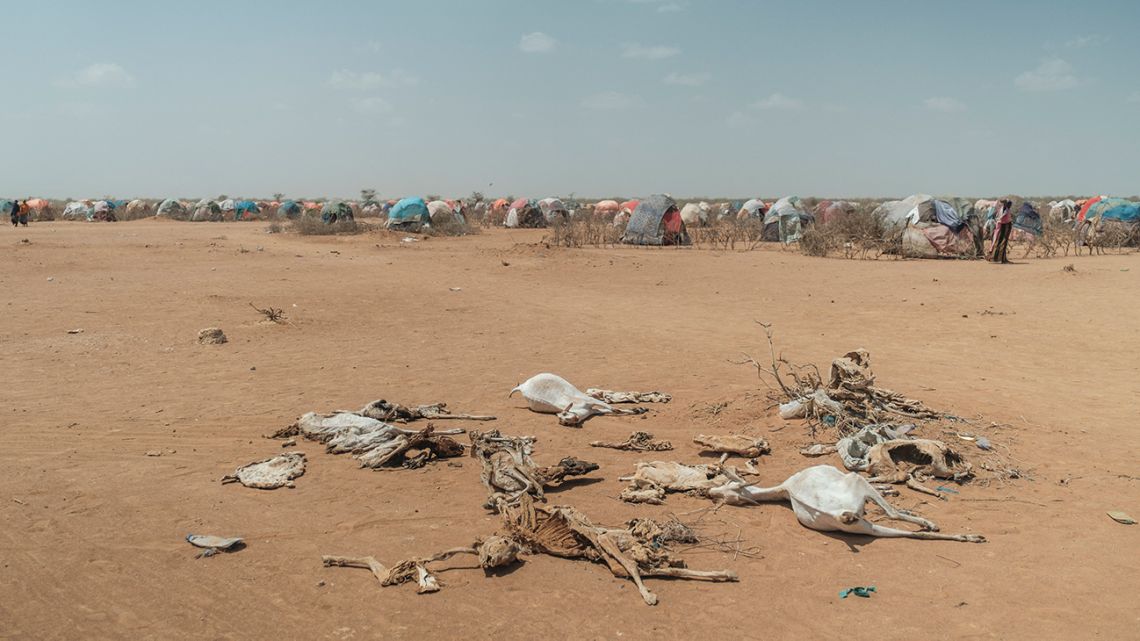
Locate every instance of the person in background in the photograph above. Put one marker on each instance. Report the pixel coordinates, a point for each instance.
(16, 209)
(1002, 230)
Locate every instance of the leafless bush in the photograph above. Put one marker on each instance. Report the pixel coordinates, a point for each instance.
(860, 234)
(1057, 237)
(450, 226)
(583, 232)
(274, 228)
(727, 233)
(309, 225)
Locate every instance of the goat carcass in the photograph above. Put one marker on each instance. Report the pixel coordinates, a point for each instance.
(551, 394)
(746, 446)
(651, 481)
(825, 499)
(898, 460)
(270, 473)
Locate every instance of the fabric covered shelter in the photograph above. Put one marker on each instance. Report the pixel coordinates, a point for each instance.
(289, 209)
(753, 208)
(832, 210)
(77, 210)
(171, 208)
(246, 209)
(525, 213)
(443, 213)
(206, 210)
(696, 214)
(336, 211)
(656, 221)
(785, 220)
(409, 214)
(1028, 219)
(606, 208)
(553, 209)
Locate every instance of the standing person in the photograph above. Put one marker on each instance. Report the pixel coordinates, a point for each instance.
(1004, 219)
(16, 213)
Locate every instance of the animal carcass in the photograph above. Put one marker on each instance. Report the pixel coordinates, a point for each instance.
(551, 394)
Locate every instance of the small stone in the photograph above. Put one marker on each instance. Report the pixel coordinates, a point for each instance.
(154, 453)
(51, 278)
(289, 443)
(75, 331)
(320, 584)
(212, 336)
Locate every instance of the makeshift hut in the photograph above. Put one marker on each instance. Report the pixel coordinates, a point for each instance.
(752, 208)
(246, 209)
(289, 209)
(77, 210)
(606, 209)
(444, 214)
(938, 228)
(525, 213)
(206, 210)
(1064, 211)
(553, 210)
(696, 214)
(656, 221)
(409, 214)
(786, 220)
(171, 208)
(103, 211)
(1028, 220)
(39, 209)
(229, 205)
(828, 211)
(336, 211)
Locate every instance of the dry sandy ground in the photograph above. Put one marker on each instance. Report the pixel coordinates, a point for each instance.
(92, 529)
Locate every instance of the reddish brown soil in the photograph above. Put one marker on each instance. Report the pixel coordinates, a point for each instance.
(92, 529)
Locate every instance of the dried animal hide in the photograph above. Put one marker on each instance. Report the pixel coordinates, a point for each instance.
(509, 471)
(271, 473)
(382, 410)
(746, 446)
(853, 384)
(610, 396)
(854, 449)
(374, 443)
(637, 442)
(651, 481)
(899, 460)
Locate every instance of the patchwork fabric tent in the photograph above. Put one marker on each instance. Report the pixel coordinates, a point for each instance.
(409, 214)
(442, 213)
(171, 208)
(1117, 209)
(1028, 220)
(832, 210)
(289, 209)
(1087, 205)
(246, 208)
(6, 207)
(696, 214)
(606, 208)
(900, 213)
(336, 210)
(39, 209)
(629, 205)
(785, 220)
(1063, 210)
(525, 213)
(656, 221)
(553, 209)
(942, 229)
(753, 208)
(77, 210)
(206, 210)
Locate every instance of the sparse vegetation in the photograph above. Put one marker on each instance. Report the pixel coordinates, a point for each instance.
(310, 225)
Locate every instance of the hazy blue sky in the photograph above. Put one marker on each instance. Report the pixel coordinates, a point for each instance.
(597, 97)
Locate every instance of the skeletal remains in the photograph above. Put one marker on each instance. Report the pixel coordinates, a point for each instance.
(551, 394)
(826, 499)
(651, 481)
(271, 473)
(746, 446)
(637, 442)
(509, 471)
(639, 550)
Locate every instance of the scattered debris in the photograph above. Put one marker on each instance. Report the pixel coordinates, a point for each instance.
(382, 410)
(154, 452)
(272, 314)
(212, 336)
(75, 331)
(374, 443)
(551, 394)
(212, 545)
(612, 397)
(859, 591)
(1070, 268)
(637, 442)
(1122, 518)
(983, 443)
(738, 444)
(271, 473)
(825, 499)
(855, 449)
(819, 449)
(898, 460)
(509, 471)
(289, 442)
(455, 289)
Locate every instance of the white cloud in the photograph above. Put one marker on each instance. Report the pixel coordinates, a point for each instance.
(641, 52)
(944, 104)
(610, 100)
(537, 42)
(366, 80)
(777, 101)
(1053, 74)
(100, 74)
(687, 80)
(372, 106)
(1090, 40)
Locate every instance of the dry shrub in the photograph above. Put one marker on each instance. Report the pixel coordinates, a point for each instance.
(1112, 235)
(313, 226)
(860, 234)
(727, 233)
(1057, 237)
(583, 232)
(274, 228)
(450, 226)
